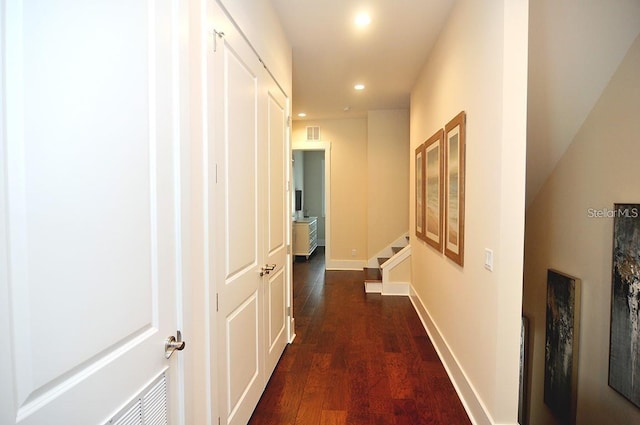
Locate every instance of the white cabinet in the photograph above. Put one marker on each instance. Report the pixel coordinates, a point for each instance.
(305, 236)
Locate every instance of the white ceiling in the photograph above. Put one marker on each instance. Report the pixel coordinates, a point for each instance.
(331, 55)
(575, 46)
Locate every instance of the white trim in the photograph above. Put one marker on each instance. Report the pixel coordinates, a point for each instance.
(473, 404)
(372, 287)
(344, 264)
(395, 288)
(396, 259)
(387, 251)
(292, 326)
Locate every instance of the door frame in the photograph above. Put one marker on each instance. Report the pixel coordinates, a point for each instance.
(326, 148)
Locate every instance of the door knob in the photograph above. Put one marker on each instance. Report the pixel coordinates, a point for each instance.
(267, 268)
(173, 343)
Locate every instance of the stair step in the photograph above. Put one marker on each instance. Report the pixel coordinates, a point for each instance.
(381, 260)
(372, 275)
(396, 249)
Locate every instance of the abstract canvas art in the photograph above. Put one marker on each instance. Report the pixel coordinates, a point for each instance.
(624, 347)
(561, 345)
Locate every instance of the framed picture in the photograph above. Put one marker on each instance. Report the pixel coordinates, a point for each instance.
(561, 345)
(420, 186)
(454, 188)
(624, 343)
(434, 171)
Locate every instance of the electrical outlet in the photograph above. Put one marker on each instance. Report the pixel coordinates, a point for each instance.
(354, 252)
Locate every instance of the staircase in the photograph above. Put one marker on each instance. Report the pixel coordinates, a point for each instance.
(374, 274)
(382, 280)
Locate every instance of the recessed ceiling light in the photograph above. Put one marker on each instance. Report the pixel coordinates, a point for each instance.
(302, 115)
(359, 87)
(362, 19)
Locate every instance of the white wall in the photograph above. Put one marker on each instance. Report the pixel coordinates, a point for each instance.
(478, 65)
(599, 168)
(260, 24)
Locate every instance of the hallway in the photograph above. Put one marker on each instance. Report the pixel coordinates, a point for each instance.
(357, 359)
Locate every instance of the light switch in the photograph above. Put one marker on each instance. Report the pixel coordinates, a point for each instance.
(488, 259)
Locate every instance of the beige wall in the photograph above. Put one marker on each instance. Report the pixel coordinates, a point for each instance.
(388, 180)
(478, 65)
(348, 203)
(599, 169)
(369, 182)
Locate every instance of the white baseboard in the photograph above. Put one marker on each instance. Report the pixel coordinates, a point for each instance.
(345, 264)
(474, 406)
(373, 287)
(292, 329)
(395, 288)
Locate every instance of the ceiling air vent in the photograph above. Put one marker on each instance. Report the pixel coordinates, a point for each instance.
(313, 133)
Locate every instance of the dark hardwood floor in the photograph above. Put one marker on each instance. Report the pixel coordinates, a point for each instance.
(357, 359)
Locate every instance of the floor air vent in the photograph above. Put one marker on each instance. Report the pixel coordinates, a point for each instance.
(148, 408)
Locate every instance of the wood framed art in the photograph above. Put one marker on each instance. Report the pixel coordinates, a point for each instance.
(433, 199)
(454, 179)
(420, 183)
(624, 343)
(561, 345)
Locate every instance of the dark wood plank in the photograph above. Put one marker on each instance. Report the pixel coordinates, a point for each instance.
(334, 417)
(372, 275)
(357, 359)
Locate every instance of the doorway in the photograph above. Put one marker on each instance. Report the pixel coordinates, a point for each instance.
(311, 176)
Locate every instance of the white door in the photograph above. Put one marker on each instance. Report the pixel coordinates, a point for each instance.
(249, 213)
(89, 203)
(276, 300)
(239, 237)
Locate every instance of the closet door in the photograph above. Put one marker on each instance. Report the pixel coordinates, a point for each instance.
(239, 234)
(88, 210)
(250, 144)
(275, 285)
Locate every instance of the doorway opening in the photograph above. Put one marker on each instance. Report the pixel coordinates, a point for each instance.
(311, 182)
